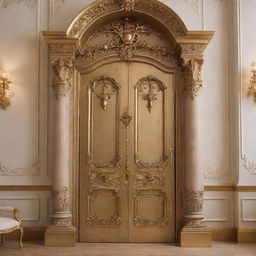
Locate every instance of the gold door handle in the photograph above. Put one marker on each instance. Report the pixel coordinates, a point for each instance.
(126, 178)
(126, 118)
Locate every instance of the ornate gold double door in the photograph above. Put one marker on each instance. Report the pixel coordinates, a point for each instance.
(127, 187)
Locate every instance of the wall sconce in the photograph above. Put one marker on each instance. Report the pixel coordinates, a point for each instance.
(252, 87)
(4, 88)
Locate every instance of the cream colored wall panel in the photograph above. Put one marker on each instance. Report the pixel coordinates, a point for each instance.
(23, 124)
(32, 205)
(29, 206)
(246, 209)
(62, 12)
(219, 208)
(247, 173)
(214, 97)
(216, 209)
(190, 11)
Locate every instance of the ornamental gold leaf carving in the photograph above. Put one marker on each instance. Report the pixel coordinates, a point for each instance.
(93, 218)
(101, 8)
(104, 87)
(192, 76)
(127, 5)
(140, 220)
(125, 41)
(62, 76)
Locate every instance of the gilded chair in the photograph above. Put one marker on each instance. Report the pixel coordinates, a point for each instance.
(8, 225)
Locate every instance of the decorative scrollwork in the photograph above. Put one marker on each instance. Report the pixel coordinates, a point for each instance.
(127, 5)
(194, 201)
(62, 76)
(156, 165)
(126, 118)
(99, 180)
(101, 8)
(192, 76)
(61, 200)
(125, 41)
(149, 180)
(249, 165)
(93, 218)
(114, 164)
(149, 87)
(139, 219)
(104, 87)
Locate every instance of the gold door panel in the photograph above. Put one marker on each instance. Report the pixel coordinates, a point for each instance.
(151, 184)
(103, 193)
(126, 171)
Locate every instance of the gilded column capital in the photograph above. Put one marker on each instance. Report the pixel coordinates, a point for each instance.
(191, 69)
(63, 69)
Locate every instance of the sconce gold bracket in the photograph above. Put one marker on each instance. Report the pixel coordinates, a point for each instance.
(252, 87)
(4, 87)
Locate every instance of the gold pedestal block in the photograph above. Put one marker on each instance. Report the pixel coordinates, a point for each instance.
(60, 236)
(193, 237)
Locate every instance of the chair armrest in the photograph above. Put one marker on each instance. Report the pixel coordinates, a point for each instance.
(14, 210)
(7, 209)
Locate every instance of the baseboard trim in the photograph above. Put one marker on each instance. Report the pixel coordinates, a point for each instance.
(30, 234)
(228, 234)
(246, 235)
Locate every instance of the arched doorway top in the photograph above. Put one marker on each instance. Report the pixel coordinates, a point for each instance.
(187, 43)
(100, 10)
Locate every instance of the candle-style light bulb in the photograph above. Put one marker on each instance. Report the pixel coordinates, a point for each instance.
(6, 75)
(253, 66)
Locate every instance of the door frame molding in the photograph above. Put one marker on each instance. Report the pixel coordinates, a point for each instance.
(64, 48)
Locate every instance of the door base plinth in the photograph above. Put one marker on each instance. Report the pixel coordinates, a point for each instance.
(195, 237)
(61, 236)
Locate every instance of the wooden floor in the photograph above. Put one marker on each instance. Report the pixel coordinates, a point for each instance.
(218, 249)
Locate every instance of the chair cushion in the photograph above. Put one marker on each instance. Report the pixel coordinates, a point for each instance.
(7, 223)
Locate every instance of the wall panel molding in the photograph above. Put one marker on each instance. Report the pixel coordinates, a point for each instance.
(230, 188)
(244, 215)
(10, 201)
(25, 188)
(32, 169)
(28, 3)
(225, 217)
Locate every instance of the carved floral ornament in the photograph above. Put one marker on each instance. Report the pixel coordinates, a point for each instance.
(103, 7)
(62, 76)
(149, 87)
(61, 200)
(194, 201)
(104, 87)
(123, 37)
(192, 76)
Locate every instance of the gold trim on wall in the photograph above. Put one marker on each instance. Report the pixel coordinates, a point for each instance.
(25, 188)
(230, 188)
(219, 188)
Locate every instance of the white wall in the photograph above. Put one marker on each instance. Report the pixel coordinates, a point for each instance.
(23, 129)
